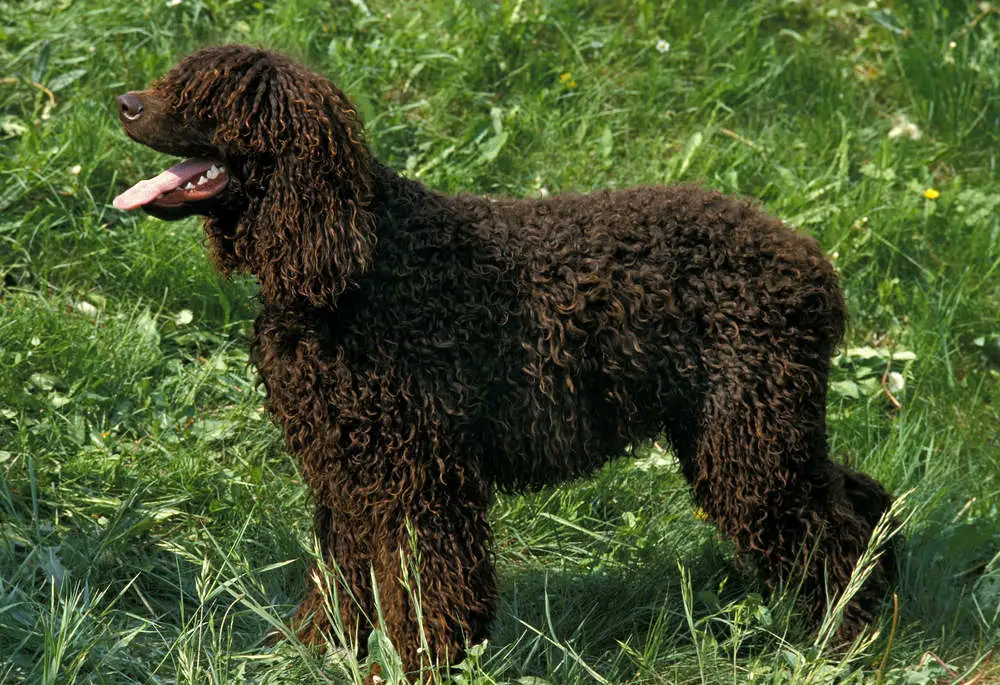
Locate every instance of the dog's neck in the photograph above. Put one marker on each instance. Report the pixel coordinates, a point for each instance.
(394, 200)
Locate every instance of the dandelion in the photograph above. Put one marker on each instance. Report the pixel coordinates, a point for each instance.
(895, 382)
(932, 194)
(76, 170)
(903, 127)
(662, 46)
(566, 78)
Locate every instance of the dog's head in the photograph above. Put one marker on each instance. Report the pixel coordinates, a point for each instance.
(275, 161)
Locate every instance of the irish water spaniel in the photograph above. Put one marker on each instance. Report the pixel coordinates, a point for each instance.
(420, 350)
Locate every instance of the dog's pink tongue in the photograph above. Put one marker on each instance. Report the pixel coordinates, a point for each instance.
(146, 191)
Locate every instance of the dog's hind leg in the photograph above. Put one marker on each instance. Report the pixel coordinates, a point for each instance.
(757, 460)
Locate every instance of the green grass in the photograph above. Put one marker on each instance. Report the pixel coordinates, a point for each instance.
(152, 529)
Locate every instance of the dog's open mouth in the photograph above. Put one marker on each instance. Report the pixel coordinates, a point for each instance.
(189, 181)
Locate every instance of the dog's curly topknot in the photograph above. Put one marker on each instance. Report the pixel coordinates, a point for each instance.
(420, 350)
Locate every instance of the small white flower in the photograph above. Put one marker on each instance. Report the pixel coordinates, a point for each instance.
(184, 317)
(174, 3)
(85, 308)
(76, 170)
(903, 127)
(662, 46)
(540, 189)
(952, 45)
(895, 382)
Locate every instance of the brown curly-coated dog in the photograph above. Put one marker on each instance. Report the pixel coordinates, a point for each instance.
(420, 350)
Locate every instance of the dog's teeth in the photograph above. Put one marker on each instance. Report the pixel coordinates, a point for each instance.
(189, 186)
(202, 180)
(213, 172)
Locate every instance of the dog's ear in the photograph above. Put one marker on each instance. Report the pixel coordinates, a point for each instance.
(312, 230)
(308, 232)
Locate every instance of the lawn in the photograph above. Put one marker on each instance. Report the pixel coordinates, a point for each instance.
(152, 527)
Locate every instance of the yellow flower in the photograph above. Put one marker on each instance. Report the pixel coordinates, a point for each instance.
(932, 194)
(700, 514)
(567, 78)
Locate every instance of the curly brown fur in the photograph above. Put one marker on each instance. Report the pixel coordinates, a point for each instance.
(420, 350)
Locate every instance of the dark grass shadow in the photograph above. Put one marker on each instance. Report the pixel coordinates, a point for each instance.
(950, 579)
(596, 611)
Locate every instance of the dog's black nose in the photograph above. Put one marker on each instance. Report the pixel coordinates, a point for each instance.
(129, 107)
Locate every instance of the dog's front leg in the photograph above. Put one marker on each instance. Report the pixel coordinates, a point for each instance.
(338, 609)
(433, 568)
